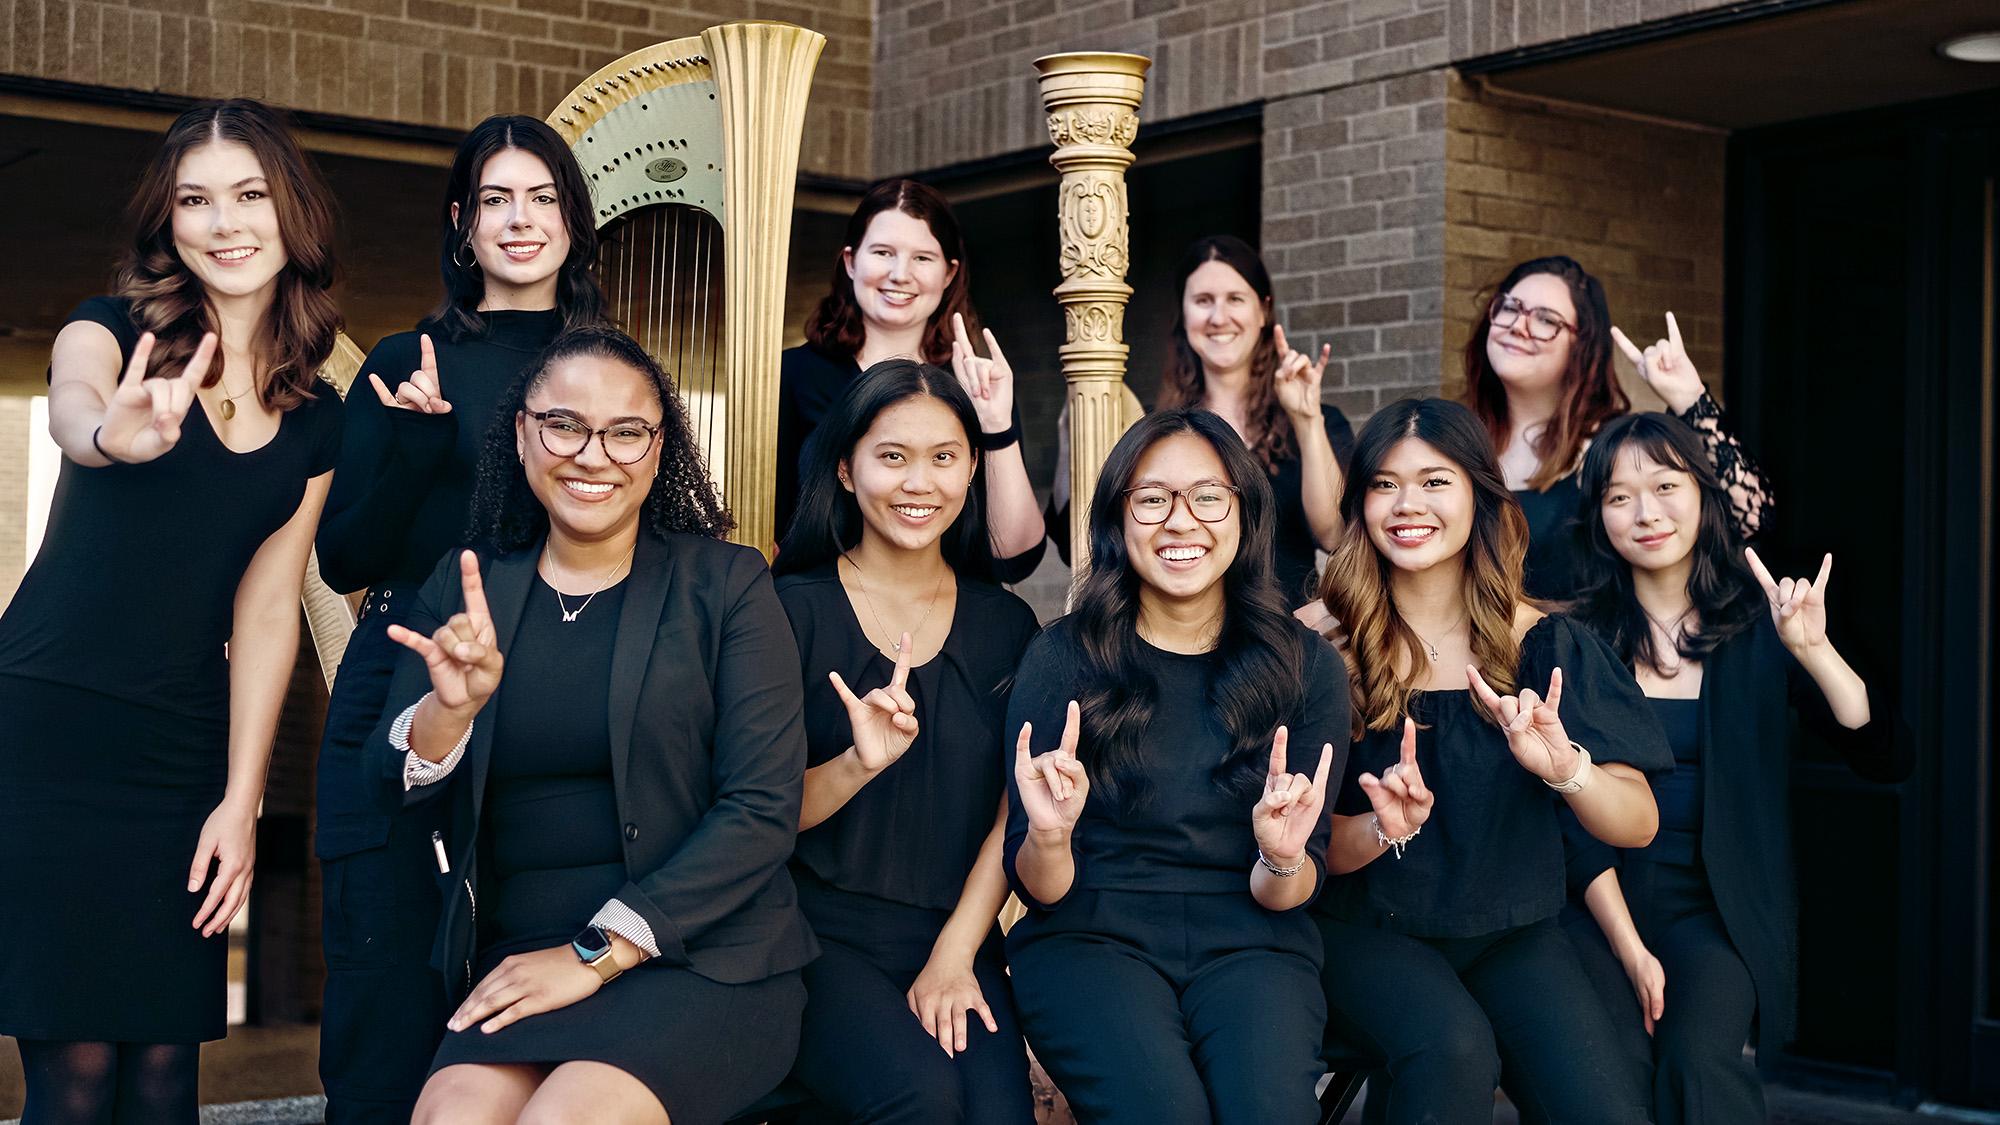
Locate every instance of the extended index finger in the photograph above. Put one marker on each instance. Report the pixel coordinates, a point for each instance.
(1278, 338)
(1625, 345)
(475, 590)
(1825, 572)
(1480, 688)
(1278, 742)
(958, 331)
(141, 354)
(1757, 568)
(1674, 334)
(429, 364)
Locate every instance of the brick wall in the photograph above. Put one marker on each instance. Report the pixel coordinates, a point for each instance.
(1639, 204)
(1484, 27)
(422, 62)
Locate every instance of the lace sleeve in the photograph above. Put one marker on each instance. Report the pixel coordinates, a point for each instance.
(1750, 498)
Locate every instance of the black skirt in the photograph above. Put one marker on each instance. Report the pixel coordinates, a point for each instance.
(102, 802)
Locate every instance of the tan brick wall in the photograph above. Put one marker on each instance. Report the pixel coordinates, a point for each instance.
(1639, 204)
(14, 440)
(1484, 27)
(420, 62)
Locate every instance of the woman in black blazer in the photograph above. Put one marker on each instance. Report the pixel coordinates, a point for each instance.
(624, 784)
(1705, 925)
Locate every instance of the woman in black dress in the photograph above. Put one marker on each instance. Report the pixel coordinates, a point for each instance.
(133, 757)
(1538, 374)
(515, 256)
(906, 648)
(1724, 653)
(1444, 959)
(902, 287)
(619, 934)
(1165, 971)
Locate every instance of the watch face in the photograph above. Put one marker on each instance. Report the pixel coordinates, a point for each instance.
(591, 943)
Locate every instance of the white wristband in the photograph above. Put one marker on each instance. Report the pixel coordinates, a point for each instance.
(1579, 778)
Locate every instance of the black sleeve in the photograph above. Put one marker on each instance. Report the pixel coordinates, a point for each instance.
(1043, 687)
(387, 459)
(1017, 568)
(1340, 433)
(1057, 519)
(758, 767)
(1585, 857)
(1602, 708)
(1881, 751)
(328, 427)
(1323, 719)
(436, 601)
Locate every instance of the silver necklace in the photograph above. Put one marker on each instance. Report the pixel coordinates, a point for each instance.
(895, 646)
(1672, 631)
(569, 614)
(1430, 648)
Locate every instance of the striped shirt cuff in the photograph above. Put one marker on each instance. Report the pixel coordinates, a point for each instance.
(416, 770)
(618, 918)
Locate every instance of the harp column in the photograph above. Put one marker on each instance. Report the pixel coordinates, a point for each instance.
(1092, 98)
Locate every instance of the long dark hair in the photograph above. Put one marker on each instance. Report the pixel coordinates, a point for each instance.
(828, 520)
(506, 516)
(1356, 586)
(1262, 677)
(298, 330)
(835, 327)
(1590, 391)
(578, 296)
(1183, 382)
(1725, 595)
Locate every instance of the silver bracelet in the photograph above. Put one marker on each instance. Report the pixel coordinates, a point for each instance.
(1395, 844)
(1281, 872)
(1576, 780)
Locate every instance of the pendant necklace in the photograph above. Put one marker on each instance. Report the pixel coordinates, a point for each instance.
(895, 646)
(228, 407)
(569, 614)
(1430, 649)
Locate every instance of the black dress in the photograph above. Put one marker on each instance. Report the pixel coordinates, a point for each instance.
(879, 878)
(115, 691)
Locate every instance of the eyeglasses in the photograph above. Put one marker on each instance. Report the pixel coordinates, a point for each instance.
(566, 436)
(1210, 503)
(1543, 324)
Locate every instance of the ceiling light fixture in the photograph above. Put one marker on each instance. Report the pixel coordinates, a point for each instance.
(1979, 47)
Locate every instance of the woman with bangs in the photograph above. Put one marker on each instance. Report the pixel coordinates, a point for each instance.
(515, 253)
(1538, 375)
(1156, 827)
(145, 657)
(1443, 958)
(1704, 928)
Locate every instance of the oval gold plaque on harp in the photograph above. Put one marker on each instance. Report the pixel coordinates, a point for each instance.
(691, 148)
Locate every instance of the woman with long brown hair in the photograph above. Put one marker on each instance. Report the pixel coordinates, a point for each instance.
(1444, 958)
(145, 657)
(902, 287)
(1538, 374)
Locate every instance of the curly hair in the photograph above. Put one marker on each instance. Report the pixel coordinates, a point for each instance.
(168, 300)
(835, 327)
(1184, 381)
(506, 516)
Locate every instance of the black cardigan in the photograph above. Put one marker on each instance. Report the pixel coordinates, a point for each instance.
(708, 756)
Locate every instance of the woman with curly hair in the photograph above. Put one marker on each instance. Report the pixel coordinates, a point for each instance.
(145, 657)
(515, 254)
(606, 708)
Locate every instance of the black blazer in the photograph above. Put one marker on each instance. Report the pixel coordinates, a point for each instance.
(708, 756)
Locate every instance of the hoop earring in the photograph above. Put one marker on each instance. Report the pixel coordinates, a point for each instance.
(471, 265)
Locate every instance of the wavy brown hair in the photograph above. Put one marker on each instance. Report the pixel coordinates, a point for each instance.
(835, 327)
(1356, 587)
(1591, 395)
(1183, 382)
(298, 330)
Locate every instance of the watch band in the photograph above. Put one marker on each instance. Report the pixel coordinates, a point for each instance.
(600, 959)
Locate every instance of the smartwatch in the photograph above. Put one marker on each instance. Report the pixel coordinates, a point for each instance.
(593, 948)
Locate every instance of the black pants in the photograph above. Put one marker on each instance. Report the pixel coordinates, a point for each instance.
(1448, 1015)
(864, 1055)
(1699, 1074)
(1152, 1008)
(384, 1007)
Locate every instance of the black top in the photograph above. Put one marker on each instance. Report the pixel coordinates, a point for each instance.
(910, 835)
(809, 382)
(133, 592)
(405, 483)
(1193, 836)
(1555, 540)
(552, 855)
(1678, 794)
(1491, 856)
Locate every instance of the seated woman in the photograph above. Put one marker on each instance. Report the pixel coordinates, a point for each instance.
(1724, 653)
(1445, 960)
(619, 935)
(1165, 969)
(907, 650)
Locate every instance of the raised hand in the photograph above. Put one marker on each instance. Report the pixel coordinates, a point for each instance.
(1535, 732)
(885, 720)
(420, 391)
(1292, 804)
(1665, 366)
(1402, 801)
(143, 418)
(1053, 786)
(463, 655)
(1298, 378)
(1798, 605)
(990, 382)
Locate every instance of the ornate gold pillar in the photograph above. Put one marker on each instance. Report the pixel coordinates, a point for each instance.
(1092, 98)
